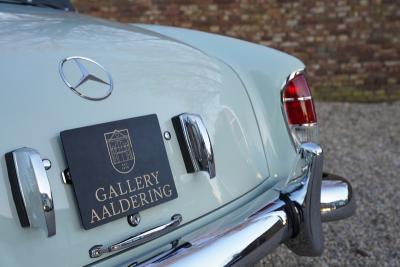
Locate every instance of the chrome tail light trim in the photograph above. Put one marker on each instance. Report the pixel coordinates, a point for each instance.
(291, 128)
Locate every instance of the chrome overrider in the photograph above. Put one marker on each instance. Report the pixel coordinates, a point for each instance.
(295, 219)
(31, 189)
(195, 143)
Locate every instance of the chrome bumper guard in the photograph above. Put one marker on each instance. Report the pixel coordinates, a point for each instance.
(294, 219)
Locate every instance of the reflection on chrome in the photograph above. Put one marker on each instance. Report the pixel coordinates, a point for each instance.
(195, 143)
(337, 201)
(31, 189)
(244, 236)
(136, 240)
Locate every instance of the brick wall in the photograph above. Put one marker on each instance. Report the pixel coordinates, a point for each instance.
(351, 48)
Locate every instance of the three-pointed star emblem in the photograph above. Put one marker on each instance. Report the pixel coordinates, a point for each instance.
(86, 76)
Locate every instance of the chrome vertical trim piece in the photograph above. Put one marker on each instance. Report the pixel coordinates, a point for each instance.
(31, 189)
(195, 143)
(310, 241)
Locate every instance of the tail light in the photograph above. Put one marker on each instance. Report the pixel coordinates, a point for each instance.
(299, 110)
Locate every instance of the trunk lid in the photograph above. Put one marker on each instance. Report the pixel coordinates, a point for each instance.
(152, 75)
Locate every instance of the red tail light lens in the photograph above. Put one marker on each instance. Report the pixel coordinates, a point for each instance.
(299, 111)
(298, 102)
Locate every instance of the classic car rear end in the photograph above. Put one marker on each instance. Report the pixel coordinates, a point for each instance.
(139, 144)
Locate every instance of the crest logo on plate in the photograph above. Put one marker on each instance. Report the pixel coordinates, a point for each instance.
(120, 150)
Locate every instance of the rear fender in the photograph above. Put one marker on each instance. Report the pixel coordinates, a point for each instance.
(263, 72)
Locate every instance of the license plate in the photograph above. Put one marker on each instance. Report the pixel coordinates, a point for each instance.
(118, 168)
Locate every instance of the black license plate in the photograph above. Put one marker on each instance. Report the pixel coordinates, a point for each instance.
(118, 168)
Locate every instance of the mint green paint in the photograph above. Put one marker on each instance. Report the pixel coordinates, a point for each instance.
(152, 74)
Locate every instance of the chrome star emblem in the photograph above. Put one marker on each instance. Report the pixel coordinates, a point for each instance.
(101, 78)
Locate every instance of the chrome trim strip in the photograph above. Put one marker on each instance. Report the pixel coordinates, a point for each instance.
(292, 75)
(137, 240)
(304, 125)
(291, 99)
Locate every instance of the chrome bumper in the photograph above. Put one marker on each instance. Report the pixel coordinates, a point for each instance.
(294, 219)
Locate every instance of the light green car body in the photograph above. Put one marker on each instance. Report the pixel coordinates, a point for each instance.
(235, 86)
